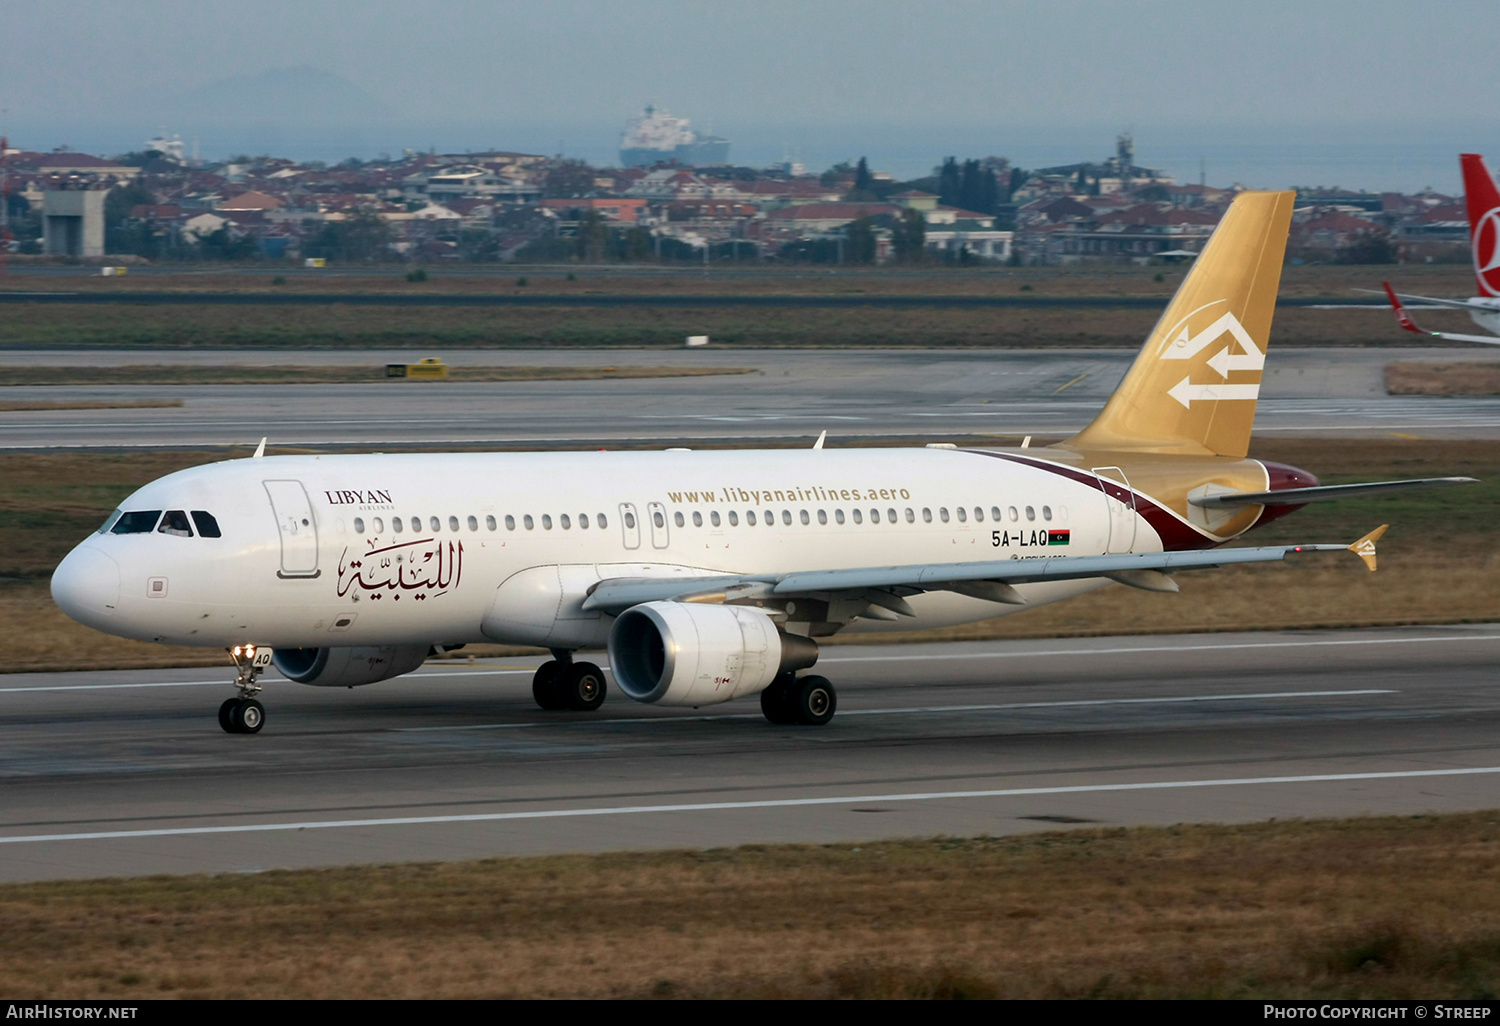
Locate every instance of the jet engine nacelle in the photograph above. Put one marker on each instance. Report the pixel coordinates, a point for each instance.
(348, 667)
(687, 653)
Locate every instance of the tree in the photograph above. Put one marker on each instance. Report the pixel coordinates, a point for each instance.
(859, 244)
(1370, 248)
(950, 182)
(909, 236)
(593, 238)
(977, 190)
(568, 179)
(118, 234)
(863, 180)
(363, 237)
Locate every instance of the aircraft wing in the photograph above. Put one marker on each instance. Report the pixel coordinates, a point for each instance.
(1407, 324)
(1141, 569)
(1322, 493)
(1457, 304)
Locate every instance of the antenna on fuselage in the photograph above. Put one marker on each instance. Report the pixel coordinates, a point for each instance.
(260, 450)
(821, 438)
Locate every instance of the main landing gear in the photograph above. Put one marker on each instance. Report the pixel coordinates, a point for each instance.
(808, 700)
(243, 714)
(561, 683)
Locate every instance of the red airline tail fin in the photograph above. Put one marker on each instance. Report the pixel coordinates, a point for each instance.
(1402, 317)
(1484, 222)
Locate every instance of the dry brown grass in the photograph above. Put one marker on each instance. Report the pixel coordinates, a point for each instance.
(22, 405)
(1075, 280)
(1438, 563)
(1364, 908)
(1442, 378)
(186, 374)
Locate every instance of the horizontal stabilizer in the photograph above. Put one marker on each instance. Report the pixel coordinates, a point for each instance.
(1322, 493)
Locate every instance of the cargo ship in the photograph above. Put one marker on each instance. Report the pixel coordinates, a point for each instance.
(659, 136)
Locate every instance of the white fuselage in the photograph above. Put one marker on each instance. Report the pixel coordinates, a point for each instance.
(503, 547)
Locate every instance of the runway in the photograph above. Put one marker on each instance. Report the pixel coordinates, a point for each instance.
(789, 394)
(127, 773)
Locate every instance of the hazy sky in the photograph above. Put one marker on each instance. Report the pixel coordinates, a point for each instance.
(800, 74)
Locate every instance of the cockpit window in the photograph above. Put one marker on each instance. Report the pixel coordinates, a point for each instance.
(175, 522)
(138, 522)
(110, 521)
(208, 527)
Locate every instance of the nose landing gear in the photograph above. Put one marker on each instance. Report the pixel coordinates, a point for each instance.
(244, 715)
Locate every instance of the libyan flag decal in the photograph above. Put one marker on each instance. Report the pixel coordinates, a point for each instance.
(1058, 537)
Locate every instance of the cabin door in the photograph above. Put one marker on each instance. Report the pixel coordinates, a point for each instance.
(630, 524)
(298, 528)
(1119, 500)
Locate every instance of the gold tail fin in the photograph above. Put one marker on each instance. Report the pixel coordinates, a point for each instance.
(1365, 547)
(1192, 389)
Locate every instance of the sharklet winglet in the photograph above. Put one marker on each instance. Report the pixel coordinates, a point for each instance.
(1365, 547)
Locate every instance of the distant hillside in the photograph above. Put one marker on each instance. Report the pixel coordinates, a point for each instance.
(283, 96)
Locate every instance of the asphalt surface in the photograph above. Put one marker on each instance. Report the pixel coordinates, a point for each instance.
(790, 394)
(127, 773)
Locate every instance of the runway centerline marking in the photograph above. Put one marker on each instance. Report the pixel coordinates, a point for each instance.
(769, 803)
(998, 707)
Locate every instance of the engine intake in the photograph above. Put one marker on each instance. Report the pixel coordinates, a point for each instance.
(685, 653)
(347, 667)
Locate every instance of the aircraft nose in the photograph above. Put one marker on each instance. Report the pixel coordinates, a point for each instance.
(86, 585)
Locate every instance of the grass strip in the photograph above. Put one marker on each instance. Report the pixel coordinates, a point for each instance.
(1438, 563)
(187, 374)
(1389, 907)
(1442, 378)
(20, 405)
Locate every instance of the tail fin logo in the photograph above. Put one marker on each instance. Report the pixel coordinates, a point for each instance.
(1486, 245)
(1182, 343)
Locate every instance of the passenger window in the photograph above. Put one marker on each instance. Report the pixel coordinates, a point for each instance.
(1030, 512)
(658, 519)
(567, 524)
(435, 525)
(379, 525)
(141, 522)
(838, 516)
(943, 514)
(874, 516)
(911, 516)
(1046, 512)
(110, 521)
(697, 519)
(546, 521)
(926, 515)
(890, 516)
(175, 522)
(734, 519)
(474, 523)
(630, 520)
(963, 515)
(858, 517)
(713, 518)
(979, 513)
(208, 527)
(602, 522)
(453, 524)
(530, 524)
(583, 521)
(677, 519)
(995, 514)
(1014, 516)
(359, 525)
(397, 524)
(802, 516)
(822, 516)
(416, 524)
(750, 518)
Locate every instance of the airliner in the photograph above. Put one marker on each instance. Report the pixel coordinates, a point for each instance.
(1483, 201)
(712, 575)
